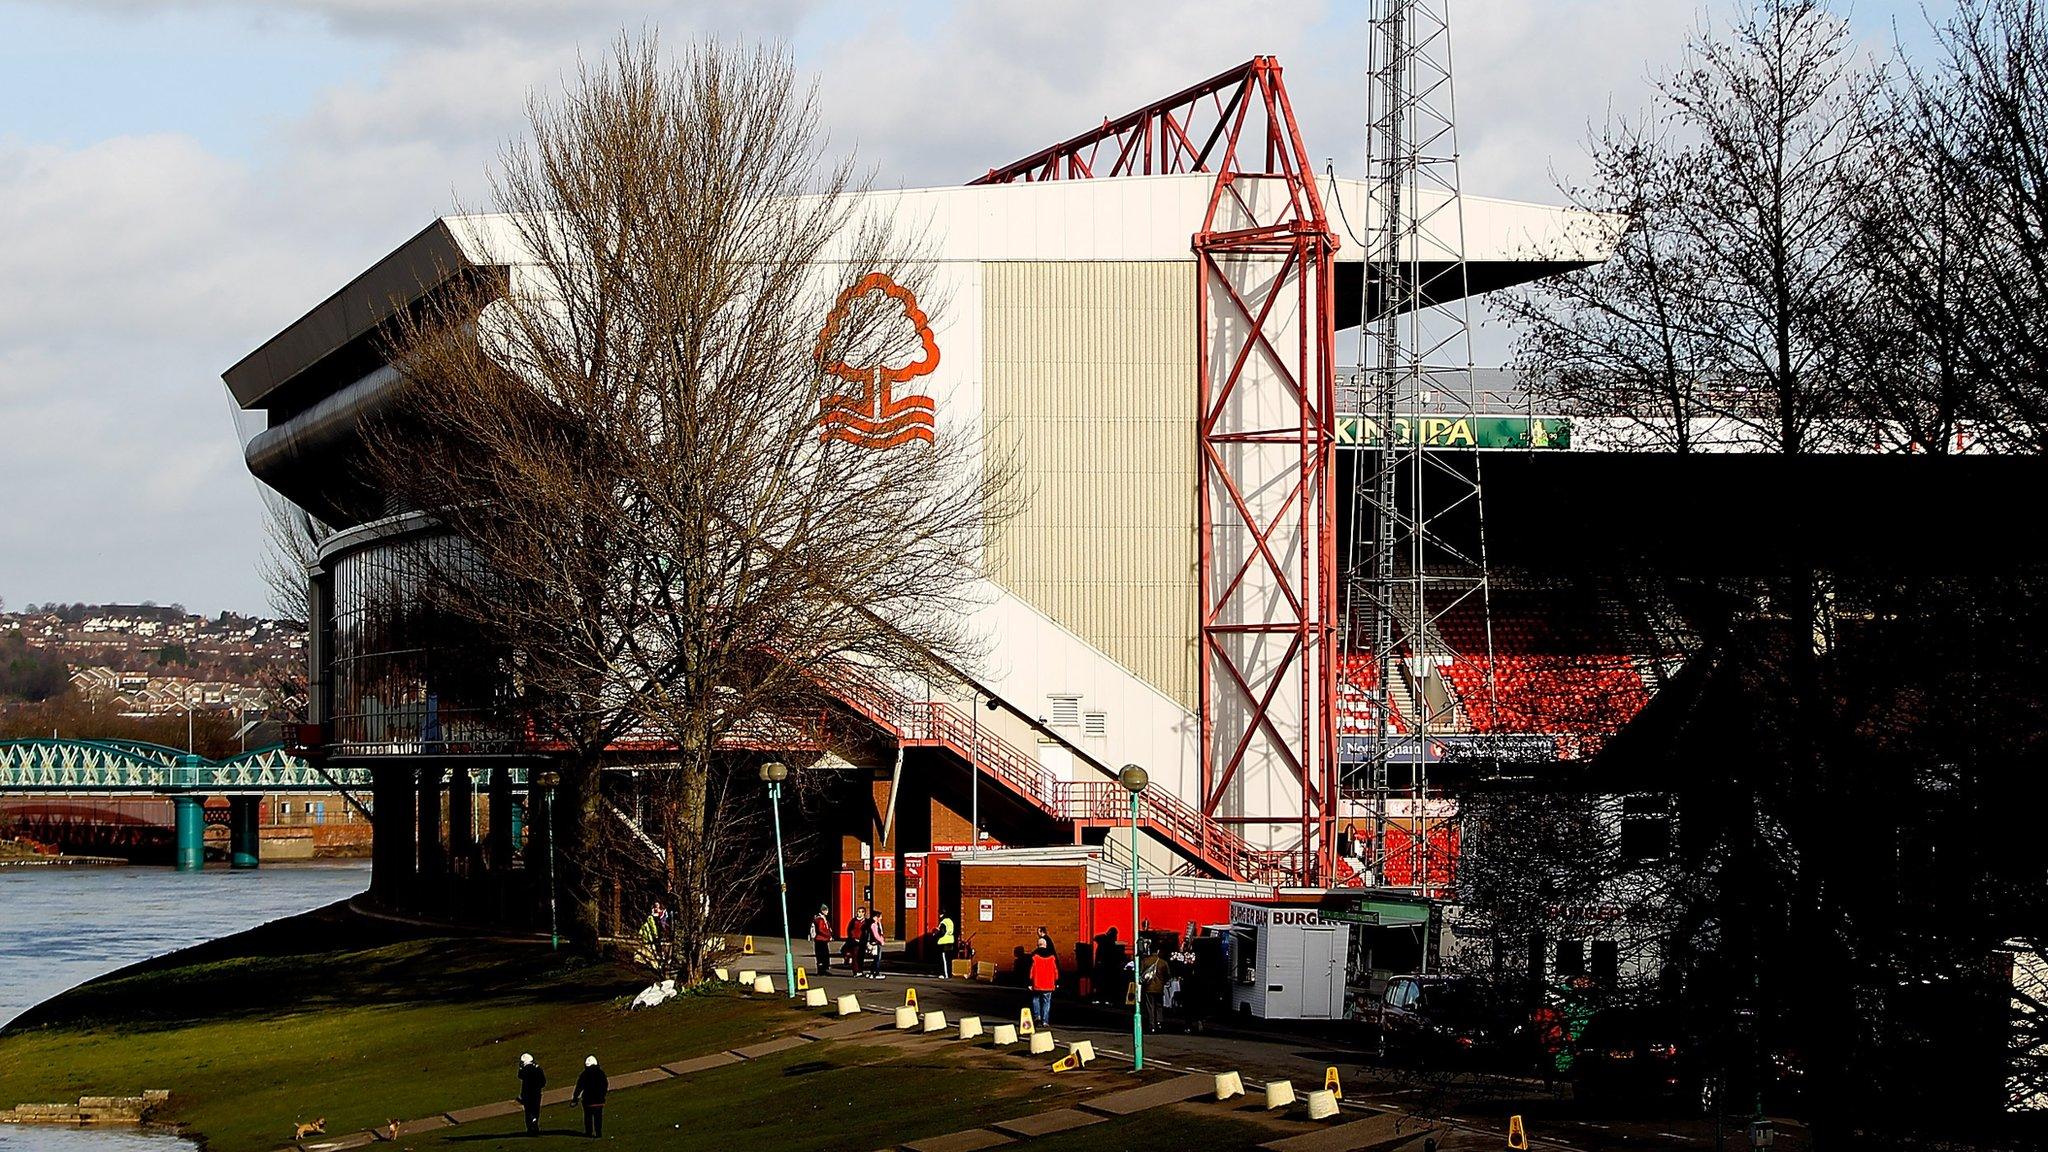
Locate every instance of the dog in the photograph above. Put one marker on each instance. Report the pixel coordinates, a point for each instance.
(394, 1132)
(316, 1128)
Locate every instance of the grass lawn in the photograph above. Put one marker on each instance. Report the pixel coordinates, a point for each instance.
(330, 1015)
(821, 1096)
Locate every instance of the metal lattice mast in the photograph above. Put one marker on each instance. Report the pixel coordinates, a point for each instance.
(1418, 551)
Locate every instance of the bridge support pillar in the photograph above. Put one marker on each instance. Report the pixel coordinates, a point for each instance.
(244, 831)
(189, 827)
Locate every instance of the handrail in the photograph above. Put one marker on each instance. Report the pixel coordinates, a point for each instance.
(1081, 801)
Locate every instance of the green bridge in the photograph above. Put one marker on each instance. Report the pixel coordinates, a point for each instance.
(131, 767)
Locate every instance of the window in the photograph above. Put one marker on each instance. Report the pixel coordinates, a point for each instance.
(1606, 961)
(1645, 828)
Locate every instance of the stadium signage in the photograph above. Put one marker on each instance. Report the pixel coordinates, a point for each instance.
(1479, 432)
(1470, 748)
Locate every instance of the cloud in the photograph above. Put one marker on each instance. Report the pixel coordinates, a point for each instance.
(139, 266)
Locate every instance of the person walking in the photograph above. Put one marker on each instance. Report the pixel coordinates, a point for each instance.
(1045, 978)
(821, 938)
(531, 1081)
(591, 1087)
(945, 946)
(856, 941)
(1153, 974)
(875, 940)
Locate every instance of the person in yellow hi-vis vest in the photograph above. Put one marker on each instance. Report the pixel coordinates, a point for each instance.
(944, 941)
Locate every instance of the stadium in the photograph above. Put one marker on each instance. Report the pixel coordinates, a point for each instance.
(1146, 317)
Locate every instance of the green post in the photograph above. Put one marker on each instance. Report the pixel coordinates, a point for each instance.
(1137, 965)
(244, 831)
(189, 826)
(773, 773)
(1134, 779)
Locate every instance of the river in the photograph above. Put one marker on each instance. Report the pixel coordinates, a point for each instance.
(60, 927)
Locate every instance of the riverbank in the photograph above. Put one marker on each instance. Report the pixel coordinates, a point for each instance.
(335, 1015)
(19, 854)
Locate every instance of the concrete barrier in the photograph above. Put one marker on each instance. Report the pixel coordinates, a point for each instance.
(906, 1018)
(849, 1005)
(721, 974)
(970, 1027)
(764, 985)
(1279, 1093)
(1005, 1034)
(1041, 1043)
(1229, 1084)
(747, 975)
(1084, 1051)
(1322, 1104)
(816, 998)
(935, 1021)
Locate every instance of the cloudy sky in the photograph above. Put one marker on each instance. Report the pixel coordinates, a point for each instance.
(181, 178)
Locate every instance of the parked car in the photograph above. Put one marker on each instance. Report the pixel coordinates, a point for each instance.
(1434, 1018)
(1627, 1055)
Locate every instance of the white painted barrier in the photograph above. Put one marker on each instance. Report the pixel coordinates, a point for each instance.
(1279, 1093)
(1322, 1104)
(935, 1021)
(849, 1005)
(816, 998)
(970, 1027)
(1229, 1084)
(764, 985)
(906, 1017)
(1005, 1034)
(1041, 1043)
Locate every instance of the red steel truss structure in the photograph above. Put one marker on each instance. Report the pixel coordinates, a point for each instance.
(1266, 437)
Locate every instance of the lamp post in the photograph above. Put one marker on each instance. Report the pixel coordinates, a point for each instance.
(547, 782)
(773, 773)
(1134, 779)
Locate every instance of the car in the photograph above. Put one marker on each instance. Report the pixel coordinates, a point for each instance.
(1627, 1055)
(1433, 1018)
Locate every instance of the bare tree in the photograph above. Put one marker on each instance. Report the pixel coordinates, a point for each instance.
(686, 498)
(290, 550)
(1727, 297)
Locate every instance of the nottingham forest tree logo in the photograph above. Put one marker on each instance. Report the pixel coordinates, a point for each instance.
(877, 337)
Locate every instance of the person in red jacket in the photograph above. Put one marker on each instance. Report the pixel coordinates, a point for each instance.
(821, 938)
(1045, 977)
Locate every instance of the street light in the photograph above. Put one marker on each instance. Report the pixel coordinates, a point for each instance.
(1134, 779)
(773, 773)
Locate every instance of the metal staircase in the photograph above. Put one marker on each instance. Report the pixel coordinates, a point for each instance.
(1083, 804)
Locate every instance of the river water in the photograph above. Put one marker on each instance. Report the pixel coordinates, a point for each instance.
(60, 927)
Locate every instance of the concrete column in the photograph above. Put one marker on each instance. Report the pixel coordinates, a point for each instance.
(391, 837)
(244, 831)
(189, 827)
(433, 861)
(502, 832)
(461, 804)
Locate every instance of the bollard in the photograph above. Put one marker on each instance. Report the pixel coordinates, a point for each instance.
(721, 974)
(1229, 1084)
(746, 945)
(1005, 1034)
(747, 975)
(910, 997)
(1331, 1083)
(935, 1021)
(906, 1018)
(803, 979)
(1518, 1136)
(1041, 1043)
(815, 998)
(1024, 1025)
(970, 1027)
(764, 985)
(1067, 1063)
(1279, 1093)
(849, 1005)
(1084, 1051)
